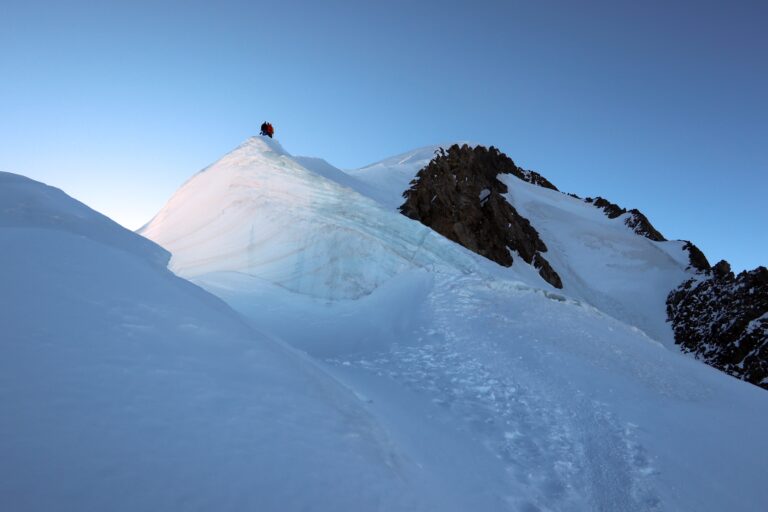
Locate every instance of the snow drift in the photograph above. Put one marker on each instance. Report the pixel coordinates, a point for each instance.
(123, 387)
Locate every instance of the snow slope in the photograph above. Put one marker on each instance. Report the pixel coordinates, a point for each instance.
(601, 260)
(510, 394)
(123, 387)
(528, 399)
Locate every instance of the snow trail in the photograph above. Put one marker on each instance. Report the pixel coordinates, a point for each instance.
(565, 452)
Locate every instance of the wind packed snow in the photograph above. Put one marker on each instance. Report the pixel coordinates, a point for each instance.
(420, 376)
(123, 387)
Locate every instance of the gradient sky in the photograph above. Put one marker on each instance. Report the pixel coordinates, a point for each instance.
(656, 105)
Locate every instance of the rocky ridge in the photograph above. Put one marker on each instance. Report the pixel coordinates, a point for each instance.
(458, 195)
(696, 258)
(636, 220)
(719, 317)
(722, 318)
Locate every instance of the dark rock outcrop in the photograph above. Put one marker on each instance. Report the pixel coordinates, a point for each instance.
(612, 210)
(636, 220)
(723, 320)
(696, 258)
(534, 178)
(722, 269)
(459, 195)
(640, 224)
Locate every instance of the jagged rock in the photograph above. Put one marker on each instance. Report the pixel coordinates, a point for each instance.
(546, 271)
(722, 270)
(535, 178)
(636, 220)
(640, 224)
(723, 320)
(459, 195)
(612, 210)
(696, 257)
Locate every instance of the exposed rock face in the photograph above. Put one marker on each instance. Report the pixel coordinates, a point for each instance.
(723, 320)
(640, 224)
(697, 259)
(636, 221)
(458, 195)
(722, 269)
(612, 210)
(534, 178)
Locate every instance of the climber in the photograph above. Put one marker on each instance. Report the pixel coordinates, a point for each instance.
(267, 129)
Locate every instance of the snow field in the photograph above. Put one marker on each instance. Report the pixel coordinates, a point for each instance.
(123, 387)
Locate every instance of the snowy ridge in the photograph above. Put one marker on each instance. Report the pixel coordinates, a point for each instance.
(29, 204)
(259, 212)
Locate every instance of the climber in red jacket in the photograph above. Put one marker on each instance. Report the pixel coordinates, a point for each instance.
(267, 129)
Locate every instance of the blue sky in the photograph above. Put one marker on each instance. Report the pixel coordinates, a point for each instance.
(660, 106)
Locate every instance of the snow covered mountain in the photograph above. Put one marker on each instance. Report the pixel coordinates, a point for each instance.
(599, 259)
(508, 393)
(477, 197)
(260, 213)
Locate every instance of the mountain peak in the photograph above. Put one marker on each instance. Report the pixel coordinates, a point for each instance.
(297, 222)
(262, 144)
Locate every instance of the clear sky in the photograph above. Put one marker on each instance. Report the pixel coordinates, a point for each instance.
(656, 105)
